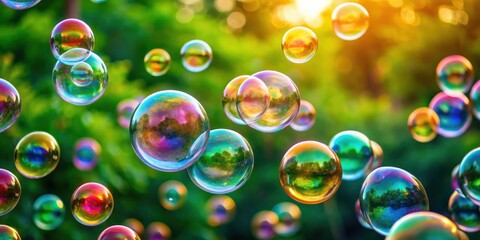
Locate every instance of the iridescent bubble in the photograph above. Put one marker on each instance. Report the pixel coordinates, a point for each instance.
(229, 99)
(455, 74)
(225, 165)
(377, 159)
(453, 112)
(118, 232)
(10, 191)
(388, 194)
(310, 172)
(83, 83)
(475, 99)
(350, 21)
(220, 210)
(74, 55)
(299, 44)
(86, 154)
(69, 34)
(464, 212)
(9, 233)
(423, 124)
(253, 99)
(36, 155)
(158, 231)
(360, 217)
(289, 216)
(48, 212)
(354, 150)
(125, 111)
(169, 130)
(305, 117)
(91, 204)
(10, 105)
(263, 225)
(157, 62)
(196, 55)
(455, 185)
(424, 225)
(284, 102)
(172, 194)
(20, 4)
(469, 176)
(135, 225)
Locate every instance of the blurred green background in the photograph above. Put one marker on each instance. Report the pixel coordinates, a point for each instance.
(370, 85)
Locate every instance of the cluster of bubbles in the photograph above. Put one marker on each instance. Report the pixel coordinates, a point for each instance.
(86, 154)
(20, 4)
(282, 221)
(91, 204)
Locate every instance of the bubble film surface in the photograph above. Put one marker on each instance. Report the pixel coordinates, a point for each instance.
(9, 233)
(91, 204)
(69, 34)
(423, 124)
(475, 100)
(310, 172)
(455, 185)
(469, 176)
(10, 105)
(157, 62)
(172, 194)
(350, 21)
(169, 130)
(48, 212)
(299, 44)
(377, 159)
(424, 225)
(263, 224)
(158, 231)
(305, 117)
(360, 217)
(36, 155)
(86, 153)
(464, 213)
(389, 193)
(196, 55)
(453, 112)
(220, 210)
(289, 216)
(253, 99)
(20, 4)
(229, 99)
(455, 74)
(118, 232)
(10, 191)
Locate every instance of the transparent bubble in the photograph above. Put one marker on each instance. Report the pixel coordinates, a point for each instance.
(377, 159)
(20, 4)
(225, 165)
(469, 176)
(125, 111)
(74, 55)
(135, 225)
(86, 153)
(360, 217)
(299, 44)
(36, 155)
(118, 232)
(424, 225)
(9, 233)
(263, 225)
(158, 231)
(455, 74)
(423, 124)
(196, 55)
(172, 194)
(464, 213)
(475, 100)
(91, 204)
(169, 130)
(10, 191)
(289, 216)
(10, 105)
(350, 21)
(253, 99)
(83, 83)
(220, 210)
(229, 99)
(69, 34)
(388, 194)
(157, 62)
(48, 212)
(284, 102)
(310, 172)
(453, 112)
(354, 150)
(305, 117)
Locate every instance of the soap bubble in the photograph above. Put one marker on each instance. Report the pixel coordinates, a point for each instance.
(475, 98)
(83, 83)
(225, 165)
(220, 210)
(453, 112)
(69, 34)
(305, 117)
(310, 172)
(288, 219)
(377, 159)
(354, 150)
(86, 153)
(229, 99)
(388, 194)
(158, 231)
(48, 212)
(196, 55)
(10, 105)
(455, 74)
(469, 176)
(253, 99)
(125, 111)
(263, 224)
(135, 225)
(455, 185)
(423, 124)
(157, 62)
(9, 233)
(118, 232)
(20, 4)
(360, 217)
(10, 191)
(169, 130)
(91, 204)
(36, 155)
(350, 21)
(424, 225)
(172, 194)
(464, 213)
(299, 44)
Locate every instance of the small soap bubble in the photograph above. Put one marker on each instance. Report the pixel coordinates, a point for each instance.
(299, 44)
(350, 21)
(20, 4)
(48, 212)
(86, 154)
(455, 74)
(125, 110)
(158, 231)
(9, 233)
(91, 204)
(305, 117)
(454, 113)
(464, 212)
(172, 194)
(10, 105)
(253, 99)
(229, 99)
(135, 225)
(263, 224)
(118, 232)
(289, 216)
(81, 74)
(424, 225)
(157, 62)
(196, 55)
(220, 210)
(423, 124)
(69, 34)
(10, 191)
